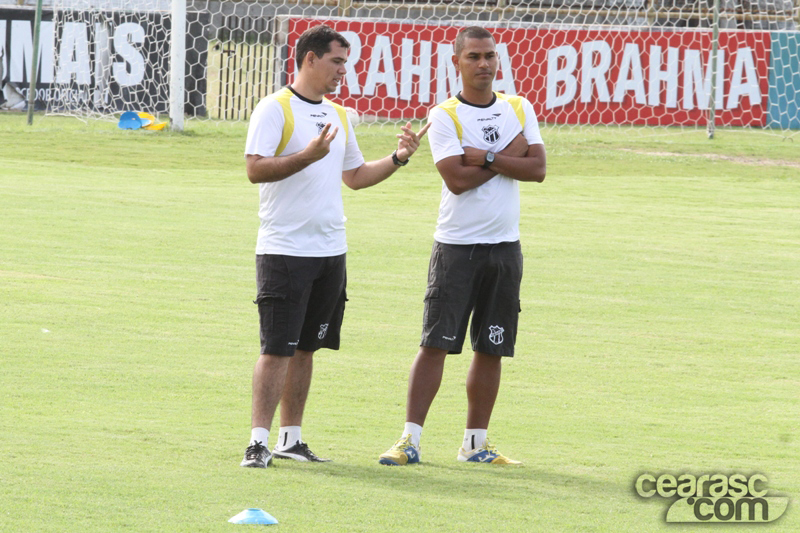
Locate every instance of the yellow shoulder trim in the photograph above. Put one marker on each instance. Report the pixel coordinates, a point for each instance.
(516, 105)
(343, 118)
(283, 96)
(449, 106)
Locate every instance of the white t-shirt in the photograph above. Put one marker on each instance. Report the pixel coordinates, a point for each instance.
(490, 213)
(303, 214)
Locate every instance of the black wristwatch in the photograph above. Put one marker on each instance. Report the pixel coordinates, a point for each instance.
(489, 159)
(396, 160)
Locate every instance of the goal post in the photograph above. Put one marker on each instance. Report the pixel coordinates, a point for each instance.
(177, 60)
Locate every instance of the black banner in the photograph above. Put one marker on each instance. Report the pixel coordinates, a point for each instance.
(104, 61)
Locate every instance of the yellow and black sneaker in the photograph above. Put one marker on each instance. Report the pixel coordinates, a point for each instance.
(403, 452)
(486, 454)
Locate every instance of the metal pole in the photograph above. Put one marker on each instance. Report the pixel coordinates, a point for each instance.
(712, 108)
(345, 7)
(502, 4)
(37, 24)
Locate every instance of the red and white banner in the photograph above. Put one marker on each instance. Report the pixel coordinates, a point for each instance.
(570, 76)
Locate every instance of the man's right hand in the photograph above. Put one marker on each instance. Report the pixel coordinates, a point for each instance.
(518, 147)
(320, 146)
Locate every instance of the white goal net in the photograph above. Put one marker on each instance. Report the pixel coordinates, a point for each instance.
(580, 62)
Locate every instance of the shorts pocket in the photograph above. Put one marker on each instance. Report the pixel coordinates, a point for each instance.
(433, 307)
(272, 313)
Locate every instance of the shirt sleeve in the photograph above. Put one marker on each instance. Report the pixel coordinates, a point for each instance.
(353, 158)
(442, 136)
(266, 129)
(531, 129)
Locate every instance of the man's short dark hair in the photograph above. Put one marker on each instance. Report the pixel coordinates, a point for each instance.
(318, 40)
(471, 32)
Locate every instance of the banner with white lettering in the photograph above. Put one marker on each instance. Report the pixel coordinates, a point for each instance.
(571, 76)
(112, 61)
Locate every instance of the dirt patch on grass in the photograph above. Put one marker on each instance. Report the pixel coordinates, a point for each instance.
(754, 161)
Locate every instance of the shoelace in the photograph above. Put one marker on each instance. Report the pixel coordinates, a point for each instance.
(254, 450)
(403, 443)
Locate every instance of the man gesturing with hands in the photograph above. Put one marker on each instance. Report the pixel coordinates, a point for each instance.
(300, 147)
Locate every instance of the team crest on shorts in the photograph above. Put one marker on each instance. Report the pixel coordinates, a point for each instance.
(496, 334)
(491, 134)
(323, 330)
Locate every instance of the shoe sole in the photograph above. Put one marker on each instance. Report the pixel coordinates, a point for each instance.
(488, 462)
(392, 462)
(298, 458)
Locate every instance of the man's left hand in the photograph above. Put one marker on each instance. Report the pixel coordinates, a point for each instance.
(409, 141)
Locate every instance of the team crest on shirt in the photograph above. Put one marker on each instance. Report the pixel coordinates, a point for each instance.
(491, 134)
(496, 334)
(320, 127)
(323, 330)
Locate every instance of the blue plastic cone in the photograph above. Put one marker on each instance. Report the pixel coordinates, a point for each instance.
(253, 516)
(130, 120)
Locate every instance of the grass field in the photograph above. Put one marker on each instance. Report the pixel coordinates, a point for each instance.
(660, 333)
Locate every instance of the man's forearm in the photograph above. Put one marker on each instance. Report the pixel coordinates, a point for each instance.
(530, 168)
(370, 173)
(523, 163)
(272, 169)
(461, 178)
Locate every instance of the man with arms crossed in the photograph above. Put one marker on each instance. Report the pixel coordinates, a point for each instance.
(483, 144)
(300, 147)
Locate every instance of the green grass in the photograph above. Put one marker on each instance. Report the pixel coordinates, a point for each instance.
(659, 333)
